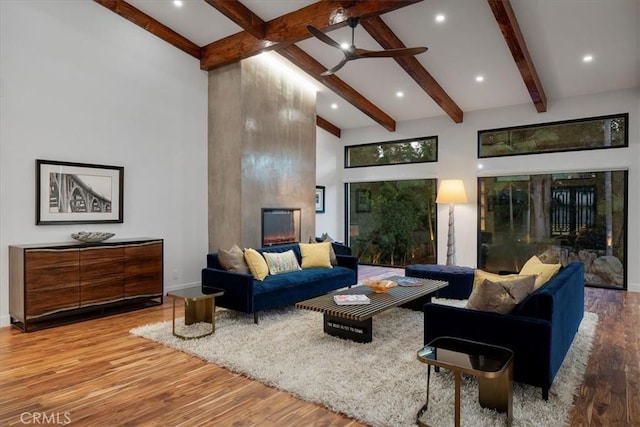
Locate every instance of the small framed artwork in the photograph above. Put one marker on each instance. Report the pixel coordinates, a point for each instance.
(78, 193)
(319, 199)
(363, 201)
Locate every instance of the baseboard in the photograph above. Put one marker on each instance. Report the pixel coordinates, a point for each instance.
(5, 320)
(633, 287)
(180, 286)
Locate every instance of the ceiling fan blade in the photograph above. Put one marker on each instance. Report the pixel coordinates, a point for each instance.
(409, 51)
(336, 68)
(323, 37)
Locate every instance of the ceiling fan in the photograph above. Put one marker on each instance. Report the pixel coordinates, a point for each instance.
(352, 52)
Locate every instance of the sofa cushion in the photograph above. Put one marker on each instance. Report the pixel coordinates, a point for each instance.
(315, 255)
(543, 272)
(295, 286)
(257, 265)
(302, 281)
(233, 260)
(500, 296)
(281, 262)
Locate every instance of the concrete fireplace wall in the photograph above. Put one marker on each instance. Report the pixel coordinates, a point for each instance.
(261, 151)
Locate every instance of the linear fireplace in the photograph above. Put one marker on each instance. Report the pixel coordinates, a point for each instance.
(280, 226)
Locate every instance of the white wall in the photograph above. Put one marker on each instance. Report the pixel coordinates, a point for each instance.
(329, 159)
(457, 158)
(81, 84)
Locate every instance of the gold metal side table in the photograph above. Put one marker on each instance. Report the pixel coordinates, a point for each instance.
(492, 365)
(198, 307)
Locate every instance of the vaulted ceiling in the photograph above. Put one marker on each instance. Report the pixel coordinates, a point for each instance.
(481, 53)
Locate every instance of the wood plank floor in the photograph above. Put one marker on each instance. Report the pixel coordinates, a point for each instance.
(95, 373)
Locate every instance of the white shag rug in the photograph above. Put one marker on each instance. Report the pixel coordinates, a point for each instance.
(380, 383)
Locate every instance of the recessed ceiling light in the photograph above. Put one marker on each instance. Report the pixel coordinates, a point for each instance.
(587, 58)
(399, 94)
(440, 17)
(177, 3)
(479, 79)
(334, 106)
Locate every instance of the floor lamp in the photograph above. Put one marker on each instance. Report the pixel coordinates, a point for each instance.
(451, 191)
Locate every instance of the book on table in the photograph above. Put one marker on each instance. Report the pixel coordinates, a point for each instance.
(353, 299)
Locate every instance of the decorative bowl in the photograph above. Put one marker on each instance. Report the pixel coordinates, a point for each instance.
(379, 286)
(92, 236)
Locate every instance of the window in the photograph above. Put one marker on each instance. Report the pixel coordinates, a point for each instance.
(392, 222)
(561, 218)
(582, 134)
(418, 150)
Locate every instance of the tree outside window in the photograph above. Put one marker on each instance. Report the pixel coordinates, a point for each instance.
(561, 218)
(392, 222)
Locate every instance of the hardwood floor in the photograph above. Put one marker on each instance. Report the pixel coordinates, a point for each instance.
(95, 373)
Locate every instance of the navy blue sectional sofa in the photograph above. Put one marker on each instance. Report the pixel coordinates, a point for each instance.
(539, 331)
(243, 293)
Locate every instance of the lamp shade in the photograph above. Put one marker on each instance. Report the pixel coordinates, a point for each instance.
(451, 191)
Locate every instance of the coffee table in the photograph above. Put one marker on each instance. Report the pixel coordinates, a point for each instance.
(493, 365)
(354, 322)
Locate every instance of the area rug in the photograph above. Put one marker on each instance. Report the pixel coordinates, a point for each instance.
(380, 383)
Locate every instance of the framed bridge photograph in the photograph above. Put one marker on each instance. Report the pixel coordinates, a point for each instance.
(78, 193)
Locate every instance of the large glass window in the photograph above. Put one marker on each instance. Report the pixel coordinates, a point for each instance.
(392, 222)
(559, 217)
(582, 134)
(417, 150)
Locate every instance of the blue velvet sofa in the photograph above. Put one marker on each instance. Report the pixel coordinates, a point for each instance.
(539, 331)
(243, 293)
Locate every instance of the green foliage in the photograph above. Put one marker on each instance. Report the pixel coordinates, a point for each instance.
(400, 211)
(390, 153)
(581, 134)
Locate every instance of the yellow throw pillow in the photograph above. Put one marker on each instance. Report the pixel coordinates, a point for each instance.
(542, 271)
(257, 265)
(315, 255)
(332, 253)
(480, 275)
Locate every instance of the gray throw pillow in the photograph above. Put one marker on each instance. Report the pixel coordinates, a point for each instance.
(500, 296)
(233, 260)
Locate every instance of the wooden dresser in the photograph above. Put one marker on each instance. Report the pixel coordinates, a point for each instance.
(61, 282)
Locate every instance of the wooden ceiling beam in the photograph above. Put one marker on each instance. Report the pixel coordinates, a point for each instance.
(241, 15)
(292, 28)
(377, 28)
(328, 126)
(312, 67)
(506, 19)
(146, 22)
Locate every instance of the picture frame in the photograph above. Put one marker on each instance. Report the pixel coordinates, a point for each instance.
(363, 201)
(78, 193)
(320, 198)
